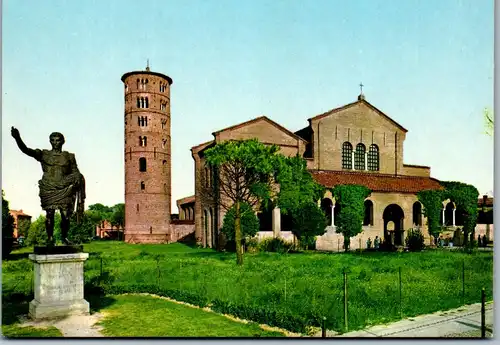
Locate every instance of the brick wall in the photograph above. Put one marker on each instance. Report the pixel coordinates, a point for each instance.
(147, 210)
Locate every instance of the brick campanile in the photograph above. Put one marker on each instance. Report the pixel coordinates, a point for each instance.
(147, 156)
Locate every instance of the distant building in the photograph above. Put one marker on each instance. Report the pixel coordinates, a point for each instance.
(106, 230)
(19, 217)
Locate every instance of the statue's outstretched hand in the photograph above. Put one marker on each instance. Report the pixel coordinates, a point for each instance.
(15, 132)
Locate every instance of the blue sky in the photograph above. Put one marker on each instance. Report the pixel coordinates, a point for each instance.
(427, 64)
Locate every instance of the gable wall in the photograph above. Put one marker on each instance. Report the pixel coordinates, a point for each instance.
(357, 124)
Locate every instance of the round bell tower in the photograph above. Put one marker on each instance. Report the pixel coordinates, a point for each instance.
(147, 156)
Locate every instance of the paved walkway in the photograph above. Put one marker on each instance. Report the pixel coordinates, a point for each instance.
(72, 326)
(461, 322)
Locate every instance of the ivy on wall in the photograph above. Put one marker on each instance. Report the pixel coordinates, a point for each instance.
(432, 200)
(351, 199)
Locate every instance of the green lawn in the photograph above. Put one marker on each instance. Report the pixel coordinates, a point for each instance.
(146, 316)
(11, 327)
(287, 291)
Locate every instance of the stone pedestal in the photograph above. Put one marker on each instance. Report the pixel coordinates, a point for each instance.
(58, 285)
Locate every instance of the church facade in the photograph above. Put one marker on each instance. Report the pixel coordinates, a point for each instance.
(353, 144)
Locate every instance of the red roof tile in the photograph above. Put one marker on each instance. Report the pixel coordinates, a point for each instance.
(376, 182)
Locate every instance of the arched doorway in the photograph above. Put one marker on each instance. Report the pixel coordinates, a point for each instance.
(417, 213)
(326, 206)
(368, 219)
(393, 225)
(448, 214)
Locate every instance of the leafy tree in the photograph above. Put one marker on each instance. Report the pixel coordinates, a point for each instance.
(244, 174)
(118, 216)
(352, 210)
(432, 200)
(37, 235)
(297, 186)
(83, 232)
(7, 228)
(308, 221)
(23, 226)
(489, 120)
(249, 222)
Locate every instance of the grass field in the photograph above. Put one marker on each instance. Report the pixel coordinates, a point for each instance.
(286, 290)
(146, 316)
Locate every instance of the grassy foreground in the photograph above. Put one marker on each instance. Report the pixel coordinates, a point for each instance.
(287, 291)
(146, 316)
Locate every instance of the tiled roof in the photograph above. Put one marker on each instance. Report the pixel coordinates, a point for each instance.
(376, 182)
(20, 213)
(186, 200)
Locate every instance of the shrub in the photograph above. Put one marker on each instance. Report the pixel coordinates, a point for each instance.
(275, 244)
(7, 228)
(414, 240)
(252, 245)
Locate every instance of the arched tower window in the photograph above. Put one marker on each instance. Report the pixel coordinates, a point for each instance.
(143, 185)
(138, 85)
(373, 158)
(147, 103)
(368, 220)
(138, 102)
(347, 155)
(164, 166)
(163, 123)
(142, 164)
(359, 157)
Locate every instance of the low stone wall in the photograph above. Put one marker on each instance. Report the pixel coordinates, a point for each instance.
(180, 230)
(286, 235)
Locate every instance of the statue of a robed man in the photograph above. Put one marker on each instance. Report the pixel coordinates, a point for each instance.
(61, 185)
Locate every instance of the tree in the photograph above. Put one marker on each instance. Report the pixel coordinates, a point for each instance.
(23, 226)
(297, 196)
(489, 121)
(244, 172)
(7, 228)
(308, 221)
(297, 186)
(37, 235)
(352, 210)
(83, 232)
(249, 222)
(118, 215)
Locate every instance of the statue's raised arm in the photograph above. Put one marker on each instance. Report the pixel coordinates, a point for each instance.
(37, 154)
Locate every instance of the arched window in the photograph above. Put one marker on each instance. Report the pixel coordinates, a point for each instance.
(147, 103)
(347, 155)
(138, 120)
(417, 213)
(142, 164)
(163, 123)
(359, 157)
(138, 86)
(138, 102)
(145, 139)
(164, 166)
(143, 185)
(165, 188)
(368, 220)
(373, 158)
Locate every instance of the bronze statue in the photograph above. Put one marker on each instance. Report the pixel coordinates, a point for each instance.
(61, 185)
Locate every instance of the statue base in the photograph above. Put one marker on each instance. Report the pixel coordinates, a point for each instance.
(58, 284)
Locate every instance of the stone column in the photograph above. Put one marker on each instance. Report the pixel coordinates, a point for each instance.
(276, 222)
(366, 160)
(333, 214)
(58, 286)
(454, 216)
(352, 160)
(443, 217)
